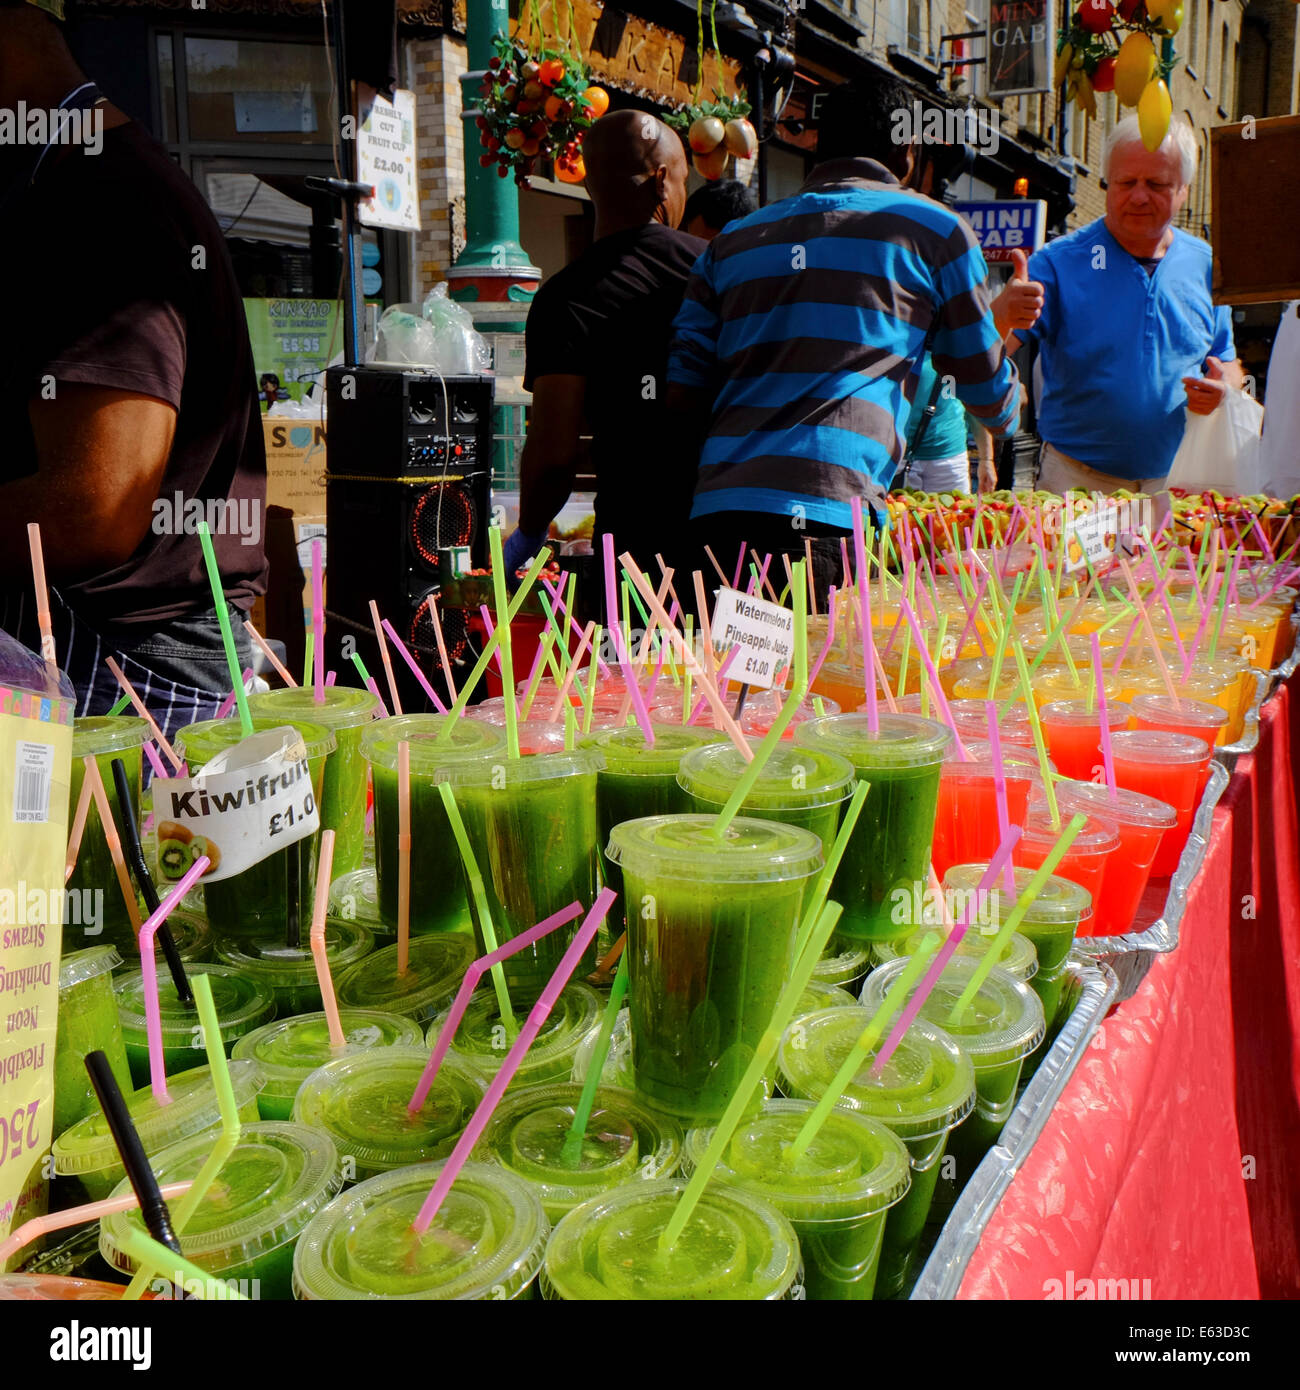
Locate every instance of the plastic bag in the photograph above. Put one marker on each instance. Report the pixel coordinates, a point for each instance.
(406, 338)
(1220, 450)
(459, 348)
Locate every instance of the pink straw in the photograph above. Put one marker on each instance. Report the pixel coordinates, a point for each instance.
(558, 601)
(740, 565)
(1207, 611)
(970, 616)
(374, 690)
(227, 704)
(620, 644)
(415, 670)
(537, 1016)
(945, 953)
(330, 678)
(1000, 788)
(469, 984)
(723, 667)
(1107, 759)
(149, 976)
(319, 955)
(936, 690)
(864, 614)
(830, 638)
(155, 762)
(318, 620)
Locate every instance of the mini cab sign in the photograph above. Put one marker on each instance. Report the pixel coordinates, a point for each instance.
(1016, 224)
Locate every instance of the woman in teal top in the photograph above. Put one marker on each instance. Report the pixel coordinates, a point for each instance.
(936, 458)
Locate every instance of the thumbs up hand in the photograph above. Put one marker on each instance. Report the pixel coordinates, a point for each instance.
(1206, 393)
(1021, 300)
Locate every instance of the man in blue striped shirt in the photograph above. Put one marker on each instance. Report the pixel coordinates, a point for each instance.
(796, 348)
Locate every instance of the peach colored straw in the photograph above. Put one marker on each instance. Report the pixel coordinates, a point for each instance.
(177, 766)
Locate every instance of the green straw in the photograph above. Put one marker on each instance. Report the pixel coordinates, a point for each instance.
(224, 1144)
(1220, 609)
(505, 651)
(479, 894)
(361, 669)
(572, 1150)
(1000, 651)
(535, 680)
(157, 1259)
(822, 888)
(1017, 915)
(308, 657)
(867, 1039)
(752, 1079)
(820, 706)
(121, 705)
(1036, 729)
(570, 726)
(223, 621)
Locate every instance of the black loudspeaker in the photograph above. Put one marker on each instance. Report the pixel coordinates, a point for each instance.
(408, 479)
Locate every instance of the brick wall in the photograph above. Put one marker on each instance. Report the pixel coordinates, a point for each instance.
(435, 67)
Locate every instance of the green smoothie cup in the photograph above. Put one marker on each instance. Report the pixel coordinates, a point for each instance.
(103, 737)
(484, 1042)
(345, 713)
(887, 861)
(710, 944)
(438, 901)
(532, 824)
(735, 1247)
(241, 1004)
(1018, 956)
(926, 1089)
(436, 965)
(288, 973)
(88, 1022)
(625, 1142)
(354, 897)
(640, 780)
(797, 786)
(1001, 1026)
(266, 895)
(86, 1156)
(360, 1102)
(290, 1049)
(836, 1195)
(844, 963)
(487, 1241)
(618, 1070)
(244, 1230)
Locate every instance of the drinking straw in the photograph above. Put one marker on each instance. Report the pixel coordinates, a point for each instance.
(562, 697)
(22, 1236)
(830, 638)
(600, 975)
(74, 838)
(740, 565)
(505, 651)
(1036, 731)
(490, 646)
(867, 1039)
(646, 635)
(1150, 632)
(971, 614)
(42, 603)
(479, 894)
(800, 977)
(153, 1258)
(120, 705)
(411, 662)
(822, 888)
(223, 621)
(308, 655)
(270, 655)
(1017, 915)
(153, 1209)
(369, 682)
(571, 1153)
(932, 675)
(556, 598)
(589, 689)
(864, 612)
(1000, 786)
(114, 843)
(570, 728)
(318, 618)
(620, 643)
(144, 714)
(812, 585)
(1107, 759)
(713, 560)
(584, 936)
(143, 878)
(384, 657)
(686, 675)
(318, 953)
(403, 855)
(224, 708)
(330, 677)
(954, 938)
(155, 762)
(1163, 592)
(442, 646)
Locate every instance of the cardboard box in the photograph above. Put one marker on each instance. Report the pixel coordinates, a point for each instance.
(295, 465)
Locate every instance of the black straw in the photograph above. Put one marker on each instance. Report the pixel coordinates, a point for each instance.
(157, 1219)
(135, 855)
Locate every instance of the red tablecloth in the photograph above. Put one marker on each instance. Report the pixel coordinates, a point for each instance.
(1174, 1154)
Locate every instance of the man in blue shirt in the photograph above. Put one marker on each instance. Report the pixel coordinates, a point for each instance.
(1129, 334)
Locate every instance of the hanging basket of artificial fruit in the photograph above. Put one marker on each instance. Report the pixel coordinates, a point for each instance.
(537, 106)
(716, 130)
(1116, 48)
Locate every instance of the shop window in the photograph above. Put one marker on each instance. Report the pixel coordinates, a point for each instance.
(247, 89)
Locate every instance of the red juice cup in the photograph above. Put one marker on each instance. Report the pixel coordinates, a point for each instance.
(1153, 760)
(1086, 861)
(966, 827)
(1195, 718)
(1141, 822)
(1072, 730)
(971, 719)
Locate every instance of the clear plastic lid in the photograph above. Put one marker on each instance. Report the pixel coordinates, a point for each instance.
(501, 771)
(854, 1167)
(736, 1247)
(1019, 956)
(1163, 709)
(624, 1141)
(627, 754)
(971, 718)
(85, 965)
(791, 779)
(197, 743)
(242, 1004)
(818, 995)
(486, 1242)
(354, 897)
(1121, 806)
(1158, 746)
(926, 1087)
(276, 1179)
(266, 956)
(361, 1101)
(904, 740)
(98, 734)
(344, 707)
(843, 961)
(1098, 836)
(191, 931)
(88, 1147)
(435, 967)
(469, 738)
(1076, 712)
(1002, 1023)
(289, 1049)
(1059, 900)
(687, 847)
(483, 1040)
(1020, 764)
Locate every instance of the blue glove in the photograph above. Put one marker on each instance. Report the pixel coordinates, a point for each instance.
(518, 550)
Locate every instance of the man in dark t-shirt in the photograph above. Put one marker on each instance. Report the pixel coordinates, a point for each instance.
(597, 354)
(128, 401)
